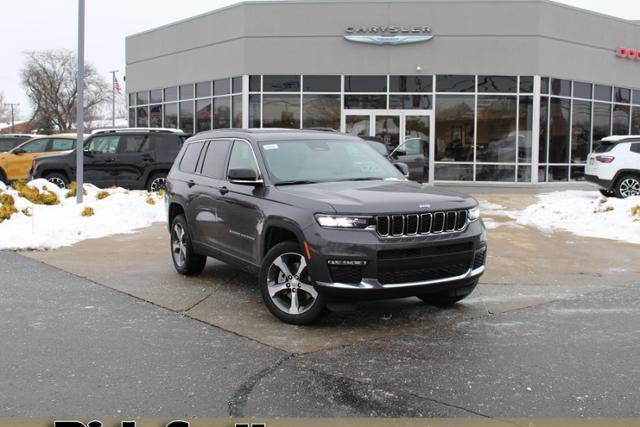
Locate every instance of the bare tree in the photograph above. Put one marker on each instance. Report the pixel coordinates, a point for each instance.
(4, 111)
(49, 78)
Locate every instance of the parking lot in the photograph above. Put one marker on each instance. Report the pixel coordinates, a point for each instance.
(551, 330)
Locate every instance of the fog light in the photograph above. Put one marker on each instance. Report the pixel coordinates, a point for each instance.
(346, 262)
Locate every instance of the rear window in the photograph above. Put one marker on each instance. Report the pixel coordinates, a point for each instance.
(604, 147)
(7, 144)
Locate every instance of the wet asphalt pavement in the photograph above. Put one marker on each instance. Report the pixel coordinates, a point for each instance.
(70, 348)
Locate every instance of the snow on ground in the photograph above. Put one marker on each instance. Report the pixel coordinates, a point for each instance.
(585, 213)
(46, 227)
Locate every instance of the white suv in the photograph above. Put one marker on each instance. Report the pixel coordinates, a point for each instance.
(614, 165)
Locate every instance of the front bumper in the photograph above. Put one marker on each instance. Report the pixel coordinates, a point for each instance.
(428, 260)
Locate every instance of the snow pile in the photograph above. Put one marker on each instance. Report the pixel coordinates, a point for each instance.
(585, 213)
(37, 226)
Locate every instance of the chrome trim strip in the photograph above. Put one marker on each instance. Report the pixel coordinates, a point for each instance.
(375, 284)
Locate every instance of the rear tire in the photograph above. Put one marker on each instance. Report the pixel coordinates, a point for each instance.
(157, 182)
(58, 179)
(448, 298)
(606, 193)
(185, 260)
(286, 287)
(627, 186)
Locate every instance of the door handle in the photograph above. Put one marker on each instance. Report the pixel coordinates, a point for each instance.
(223, 190)
(110, 160)
(191, 183)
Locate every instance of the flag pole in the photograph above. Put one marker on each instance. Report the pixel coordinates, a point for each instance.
(113, 98)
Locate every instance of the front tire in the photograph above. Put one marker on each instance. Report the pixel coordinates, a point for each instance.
(627, 186)
(448, 298)
(185, 260)
(286, 287)
(58, 179)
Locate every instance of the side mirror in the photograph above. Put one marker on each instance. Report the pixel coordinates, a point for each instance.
(243, 176)
(402, 167)
(87, 153)
(19, 151)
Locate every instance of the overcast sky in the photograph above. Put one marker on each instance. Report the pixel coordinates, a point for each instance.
(48, 24)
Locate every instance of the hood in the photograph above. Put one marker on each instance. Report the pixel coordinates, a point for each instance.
(380, 197)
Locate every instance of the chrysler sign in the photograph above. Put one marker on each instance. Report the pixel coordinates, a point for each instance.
(388, 34)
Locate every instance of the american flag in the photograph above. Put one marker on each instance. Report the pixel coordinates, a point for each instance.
(117, 86)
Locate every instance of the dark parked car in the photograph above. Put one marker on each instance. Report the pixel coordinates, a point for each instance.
(131, 158)
(10, 141)
(319, 216)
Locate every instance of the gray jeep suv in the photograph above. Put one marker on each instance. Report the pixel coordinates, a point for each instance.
(319, 217)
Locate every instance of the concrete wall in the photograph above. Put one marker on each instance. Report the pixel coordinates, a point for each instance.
(306, 37)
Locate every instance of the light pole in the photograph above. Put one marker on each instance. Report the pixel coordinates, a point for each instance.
(13, 123)
(113, 98)
(80, 106)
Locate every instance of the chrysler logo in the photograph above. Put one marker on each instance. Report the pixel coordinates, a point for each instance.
(388, 34)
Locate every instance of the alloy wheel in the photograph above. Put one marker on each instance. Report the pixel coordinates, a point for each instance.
(178, 245)
(630, 187)
(57, 181)
(158, 184)
(289, 284)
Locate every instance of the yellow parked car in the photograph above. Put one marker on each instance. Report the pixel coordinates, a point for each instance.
(16, 163)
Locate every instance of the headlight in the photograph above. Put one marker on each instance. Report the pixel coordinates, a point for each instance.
(474, 213)
(335, 221)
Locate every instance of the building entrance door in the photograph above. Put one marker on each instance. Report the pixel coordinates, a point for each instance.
(407, 135)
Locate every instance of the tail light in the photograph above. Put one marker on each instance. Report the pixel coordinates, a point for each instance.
(605, 159)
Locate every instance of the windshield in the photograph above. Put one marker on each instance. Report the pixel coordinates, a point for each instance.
(324, 160)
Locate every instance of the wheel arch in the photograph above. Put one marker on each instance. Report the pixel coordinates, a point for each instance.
(174, 210)
(277, 231)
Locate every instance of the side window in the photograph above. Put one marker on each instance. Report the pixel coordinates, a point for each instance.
(635, 147)
(107, 144)
(242, 157)
(190, 158)
(133, 143)
(167, 145)
(37, 146)
(62, 144)
(215, 158)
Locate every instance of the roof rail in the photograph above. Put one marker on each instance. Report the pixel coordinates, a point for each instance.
(118, 130)
(618, 138)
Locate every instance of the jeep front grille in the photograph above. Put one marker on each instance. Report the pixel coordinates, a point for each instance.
(417, 224)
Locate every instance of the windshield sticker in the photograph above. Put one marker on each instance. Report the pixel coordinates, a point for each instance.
(271, 147)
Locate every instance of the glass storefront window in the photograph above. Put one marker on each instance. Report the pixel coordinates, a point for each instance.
(281, 111)
(186, 116)
(186, 92)
(410, 102)
(622, 95)
(582, 90)
(635, 121)
(581, 131)
(502, 173)
(203, 89)
(454, 128)
(281, 83)
(365, 102)
(601, 121)
(155, 116)
(455, 83)
(155, 96)
(365, 83)
(525, 133)
(142, 97)
(526, 84)
(321, 111)
(203, 115)
(321, 83)
(222, 87)
(560, 87)
(410, 84)
(171, 94)
(453, 172)
(558, 173)
(132, 117)
(132, 99)
(577, 173)
(142, 117)
(171, 115)
(544, 85)
(636, 97)
(507, 84)
(496, 137)
(255, 105)
(236, 85)
(559, 125)
(621, 119)
(255, 83)
(602, 93)
(524, 173)
(221, 112)
(237, 111)
(544, 120)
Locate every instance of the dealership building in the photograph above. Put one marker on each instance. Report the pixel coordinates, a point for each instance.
(511, 91)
